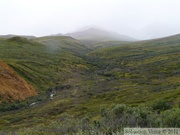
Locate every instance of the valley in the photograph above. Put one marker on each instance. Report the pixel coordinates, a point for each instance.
(88, 78)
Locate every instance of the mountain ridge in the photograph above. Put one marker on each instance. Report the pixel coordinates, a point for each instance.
(13, 35)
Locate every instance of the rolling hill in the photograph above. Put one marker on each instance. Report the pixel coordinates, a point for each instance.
(44, 65)
(60, 43)
(151, 69)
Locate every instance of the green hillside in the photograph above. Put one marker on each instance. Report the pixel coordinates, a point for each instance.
(139, 74)
(60, 43)
(39, 64)
(99, 45)
(148, 70)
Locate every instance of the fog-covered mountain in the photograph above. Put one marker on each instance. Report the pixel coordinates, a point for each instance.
(99, 35)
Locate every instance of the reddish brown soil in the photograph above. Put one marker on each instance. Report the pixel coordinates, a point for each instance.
(12, 86)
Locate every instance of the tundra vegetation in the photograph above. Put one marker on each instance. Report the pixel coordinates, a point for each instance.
(98, 89)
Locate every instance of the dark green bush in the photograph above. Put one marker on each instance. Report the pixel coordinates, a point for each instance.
(161, 105)
(119, 109)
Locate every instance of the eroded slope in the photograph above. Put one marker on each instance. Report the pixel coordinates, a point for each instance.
(12, 86)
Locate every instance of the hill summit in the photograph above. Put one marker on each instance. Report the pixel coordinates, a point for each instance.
(19, 39)
(99, 35)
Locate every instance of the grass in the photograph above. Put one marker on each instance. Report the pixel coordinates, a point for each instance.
(137, 74)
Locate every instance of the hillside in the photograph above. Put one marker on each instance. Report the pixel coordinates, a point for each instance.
(143, 74)
(44, 65)
(12, 86)
(60, 43)
(148, 70)
(94, 35)
(105, 44)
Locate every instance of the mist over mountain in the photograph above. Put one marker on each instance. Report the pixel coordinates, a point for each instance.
(98, 34)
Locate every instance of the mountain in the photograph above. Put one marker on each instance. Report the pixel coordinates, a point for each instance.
(95, 35)
(12, 86)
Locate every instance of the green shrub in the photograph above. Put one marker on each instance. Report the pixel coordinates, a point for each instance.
(119, 109)
(171, 118)
(161, 105)
(114, 119)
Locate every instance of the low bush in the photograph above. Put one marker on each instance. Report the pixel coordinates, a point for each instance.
(112, 122)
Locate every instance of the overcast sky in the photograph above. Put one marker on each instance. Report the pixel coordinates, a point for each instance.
(137, 18)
